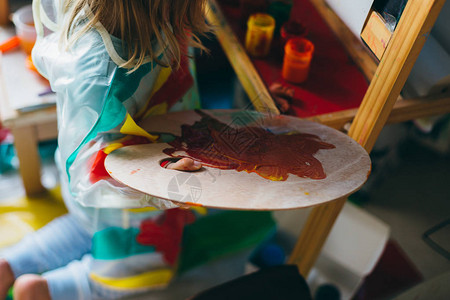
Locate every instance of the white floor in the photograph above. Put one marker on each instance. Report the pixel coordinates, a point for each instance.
(414, 196)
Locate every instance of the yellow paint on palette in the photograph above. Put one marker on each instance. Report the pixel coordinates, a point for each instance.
(150, 279)
(275, 178)
(23, 215)
(199, 209)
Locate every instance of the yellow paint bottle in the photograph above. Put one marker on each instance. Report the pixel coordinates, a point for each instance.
(259, 35)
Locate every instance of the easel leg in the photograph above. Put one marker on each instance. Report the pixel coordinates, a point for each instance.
(4, 12)
(392, 72)
(26, 147)
(314, 234)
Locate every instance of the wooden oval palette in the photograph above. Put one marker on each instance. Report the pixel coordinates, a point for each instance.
(252, 161)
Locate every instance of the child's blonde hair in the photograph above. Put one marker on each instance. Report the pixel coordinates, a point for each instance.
(138, 23)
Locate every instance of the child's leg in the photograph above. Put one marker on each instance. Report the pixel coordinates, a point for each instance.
(6, 278)
(31, 286)
(56, 244)
(67, 283)
(51, 247)
(70, 282)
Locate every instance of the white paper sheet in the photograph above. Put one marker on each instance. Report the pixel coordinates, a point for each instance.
(352, 12)
(22, 86)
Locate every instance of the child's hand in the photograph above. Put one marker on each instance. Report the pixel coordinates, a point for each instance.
(184, 164)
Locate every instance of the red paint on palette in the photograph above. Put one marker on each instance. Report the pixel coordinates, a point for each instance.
(251, 149)
(134, 171)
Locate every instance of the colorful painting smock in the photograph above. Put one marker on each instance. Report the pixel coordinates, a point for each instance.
(98, 108)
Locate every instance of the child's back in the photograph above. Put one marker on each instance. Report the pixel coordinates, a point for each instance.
(104, 86)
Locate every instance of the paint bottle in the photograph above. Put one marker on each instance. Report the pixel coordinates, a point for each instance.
(259, 36)
(23, 20)
(280, 10)
(298, 53)
(265, 256)
(292, 29)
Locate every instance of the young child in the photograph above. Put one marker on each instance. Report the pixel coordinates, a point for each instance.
(111, 63)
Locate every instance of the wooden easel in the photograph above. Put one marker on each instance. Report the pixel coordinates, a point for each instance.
(4, 12)
(410, 35)
(378, 107)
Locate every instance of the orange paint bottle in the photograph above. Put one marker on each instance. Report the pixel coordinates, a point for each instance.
(298, 53)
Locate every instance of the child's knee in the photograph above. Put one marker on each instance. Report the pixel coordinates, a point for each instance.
(30, 286)
(6, 274)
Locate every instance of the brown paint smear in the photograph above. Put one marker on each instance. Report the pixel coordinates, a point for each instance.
(250, 149)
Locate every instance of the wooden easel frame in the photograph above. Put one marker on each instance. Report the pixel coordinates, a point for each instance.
(4, 12)
(378, 107)
(409, 37)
